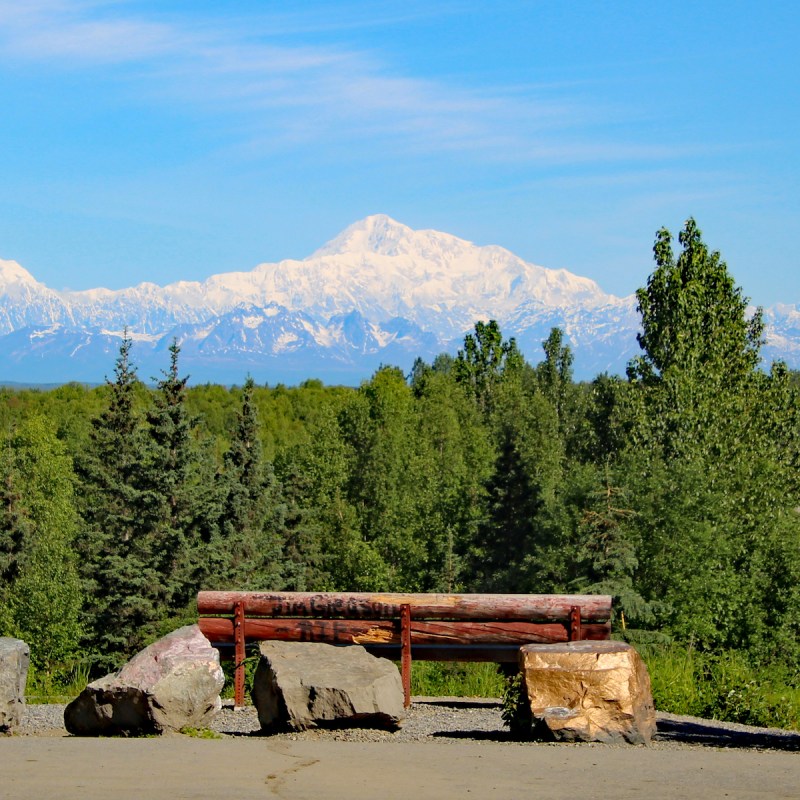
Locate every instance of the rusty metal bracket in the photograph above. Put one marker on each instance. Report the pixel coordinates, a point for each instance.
(405, 651)
(239, 653)
(575, 624)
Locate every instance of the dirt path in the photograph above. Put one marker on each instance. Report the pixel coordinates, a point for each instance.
(184, 769)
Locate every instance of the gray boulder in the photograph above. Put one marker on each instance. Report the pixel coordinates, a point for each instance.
(15, 658)
(172, 684)
(299, 685)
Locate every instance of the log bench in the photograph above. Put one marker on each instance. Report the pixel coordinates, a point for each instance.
(431, 627)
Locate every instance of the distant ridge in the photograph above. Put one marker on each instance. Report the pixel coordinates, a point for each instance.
(378, 293)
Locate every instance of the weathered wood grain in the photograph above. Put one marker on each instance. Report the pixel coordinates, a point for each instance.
(363, 605)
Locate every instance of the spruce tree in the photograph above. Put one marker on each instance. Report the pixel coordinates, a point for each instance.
(123, 588)
(169, 484)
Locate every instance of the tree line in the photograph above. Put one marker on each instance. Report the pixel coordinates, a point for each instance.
(675, 489)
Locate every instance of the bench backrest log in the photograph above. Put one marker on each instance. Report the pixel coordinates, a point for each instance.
(435, 627)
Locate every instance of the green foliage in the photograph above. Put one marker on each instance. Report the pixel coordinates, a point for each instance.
(200, 733)
(40, 594)
(516, 713)
(485, 362)
(250, 665)
(694, 316)
(123, 588)
(725, 685)
(246, 546)
(60, 686)
(456, 679)
(171, 482)
(521, 533)
(608, 551)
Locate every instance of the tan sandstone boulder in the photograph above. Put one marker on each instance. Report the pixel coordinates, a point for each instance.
(588, 692)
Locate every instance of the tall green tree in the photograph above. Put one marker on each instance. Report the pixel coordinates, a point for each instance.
(707, 472)
(335, 554)
(171, 486)
(454, 461)
(485, 361)
(554, 379)
(521, 534)
(694, 317)
(384, 473)
(125, 596)
(247, 549)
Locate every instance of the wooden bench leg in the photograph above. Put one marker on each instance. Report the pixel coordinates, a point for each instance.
(405, 652)
(575, 632)
(239, 654)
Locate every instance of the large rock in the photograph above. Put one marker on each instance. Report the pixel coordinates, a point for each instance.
(299, 685)
(15, 658)
(588, 692)
(172, 684)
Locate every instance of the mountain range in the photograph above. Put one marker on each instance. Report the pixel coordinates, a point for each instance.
(378, 293)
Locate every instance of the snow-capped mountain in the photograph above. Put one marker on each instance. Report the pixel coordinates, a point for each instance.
(379, 292)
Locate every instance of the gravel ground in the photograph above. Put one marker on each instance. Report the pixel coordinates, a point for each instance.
(456, 720)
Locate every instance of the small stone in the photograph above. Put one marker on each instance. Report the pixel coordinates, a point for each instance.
(15, 657)
(172, 684)
(300, 685)
(588, 692)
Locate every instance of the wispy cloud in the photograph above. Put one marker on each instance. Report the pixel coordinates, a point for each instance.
(82, 34)
(285, 95)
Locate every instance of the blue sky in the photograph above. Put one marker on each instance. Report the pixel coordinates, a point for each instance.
(167, 140)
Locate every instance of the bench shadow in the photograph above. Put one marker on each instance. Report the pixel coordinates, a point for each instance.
(458, 702)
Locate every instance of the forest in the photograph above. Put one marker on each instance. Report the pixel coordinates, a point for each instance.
(675, 489)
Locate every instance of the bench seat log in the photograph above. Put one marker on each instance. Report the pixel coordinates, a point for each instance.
(434, 627)
(348, 631)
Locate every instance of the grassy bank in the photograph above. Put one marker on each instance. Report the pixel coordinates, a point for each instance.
(455, 679)
(724, 686)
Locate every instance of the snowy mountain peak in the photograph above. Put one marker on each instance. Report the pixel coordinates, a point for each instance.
(378, 234)
(11, 273)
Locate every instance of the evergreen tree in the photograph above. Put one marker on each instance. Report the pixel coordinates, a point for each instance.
(554, 380)
(124, 593)
(608, 551)
(521, 535)
(170, 486)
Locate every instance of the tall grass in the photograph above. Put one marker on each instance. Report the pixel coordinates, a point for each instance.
(456, 679)
(59, 686)
(725, 686)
